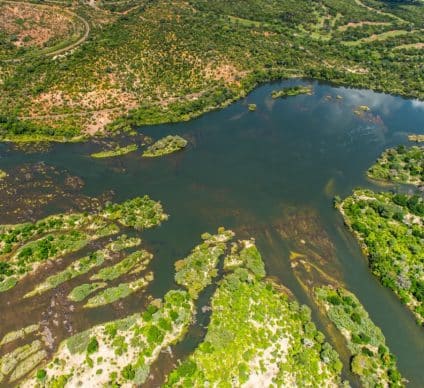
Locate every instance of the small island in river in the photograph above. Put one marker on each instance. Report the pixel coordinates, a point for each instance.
(292, 91)
(165, 146)
(118, 151)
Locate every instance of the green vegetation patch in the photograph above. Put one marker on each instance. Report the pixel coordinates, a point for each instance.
(197, 56)
(112, 294)
(139, 213)
(196, 271)
(391, 231)
(3, 174)
(16, 363)
(77, 268)
(165, 146)
(371, 359)
(400, 164)
(293, 91)
(81, 292)
(120, 352)
(257, 337)
(14, 335)
(24, 246)
(136, 259)
(123, 242)
(118, 151)
(30, 255)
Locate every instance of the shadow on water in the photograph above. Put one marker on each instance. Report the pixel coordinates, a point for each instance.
(269, 174)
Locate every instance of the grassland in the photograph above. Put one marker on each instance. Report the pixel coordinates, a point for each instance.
(155, 62)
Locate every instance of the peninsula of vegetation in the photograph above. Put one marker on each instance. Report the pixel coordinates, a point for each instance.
(68, 71)
(390, 226)
(401, 165)
(370, 357)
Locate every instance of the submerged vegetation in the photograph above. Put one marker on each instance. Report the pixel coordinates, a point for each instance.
(293, 91)
(165, 146)
(400, 164)
(118, 151)
(371, 359)
(390, 229)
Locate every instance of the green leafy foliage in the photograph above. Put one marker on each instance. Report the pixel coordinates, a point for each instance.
(390, 229)
(401, 164)
(165, 146)
(255, 334)
(196, 271)
(371, 359)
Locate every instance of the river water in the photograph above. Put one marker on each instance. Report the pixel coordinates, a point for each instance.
(269, 174)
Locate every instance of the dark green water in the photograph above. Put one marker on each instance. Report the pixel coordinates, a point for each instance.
(248, 171)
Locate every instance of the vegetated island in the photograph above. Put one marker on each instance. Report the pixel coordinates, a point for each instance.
(165, 146)
(256, 335)
(370, 357)
(96, 68)
(390, 229)
(401, 165)
(292, 91)
(118, 151)
(251, 107)
(24, 247)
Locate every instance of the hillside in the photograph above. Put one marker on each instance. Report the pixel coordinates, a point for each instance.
(111, 64)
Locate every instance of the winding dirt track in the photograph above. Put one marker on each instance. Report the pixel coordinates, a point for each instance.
(63, 50)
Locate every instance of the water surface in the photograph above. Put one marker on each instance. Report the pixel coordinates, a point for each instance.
(269, 174)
